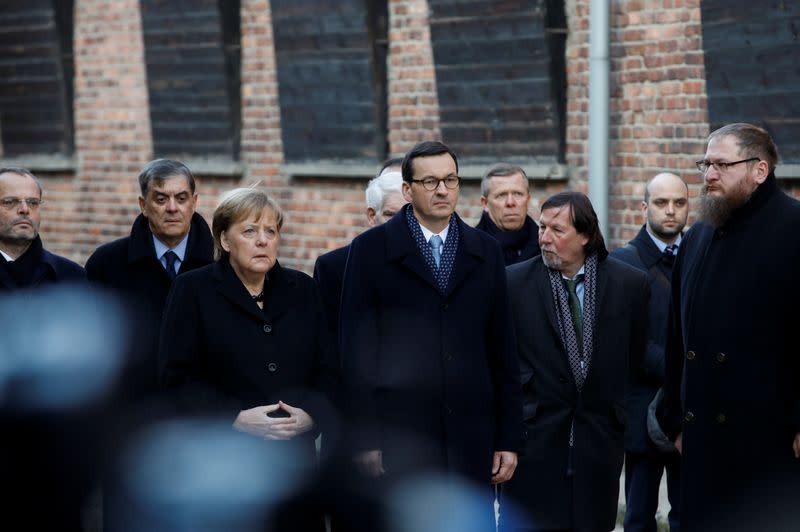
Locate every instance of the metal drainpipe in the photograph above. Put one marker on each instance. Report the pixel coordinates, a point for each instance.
(598, 109)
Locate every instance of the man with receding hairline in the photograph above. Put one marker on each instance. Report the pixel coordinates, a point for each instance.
(23, 260)
(732, 388)
(666, 208)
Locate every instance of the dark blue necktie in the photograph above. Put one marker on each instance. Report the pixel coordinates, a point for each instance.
(436, 248)
(170, 256)
(669, 254)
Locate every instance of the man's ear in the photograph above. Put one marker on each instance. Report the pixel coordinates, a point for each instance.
(484, 202)
(407, 191)
(371, 217)
(761, 171)
(141, 205)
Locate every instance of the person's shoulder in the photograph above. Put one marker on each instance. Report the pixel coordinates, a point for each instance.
(336, 256)
(65, 268)
(524, 268)
(623, 270)
(114, 249)
(199, 275)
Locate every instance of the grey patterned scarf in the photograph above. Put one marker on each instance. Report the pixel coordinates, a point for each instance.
(578, 361)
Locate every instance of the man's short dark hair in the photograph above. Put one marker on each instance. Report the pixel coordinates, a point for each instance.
(753, 141)
(163, 169)
(392, 161)
(500, 170)
(428, 148)
(23, 172)
(583, 219)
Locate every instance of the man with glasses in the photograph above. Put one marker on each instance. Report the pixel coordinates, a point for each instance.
(429, 365)
(732, 391)
(23, 260)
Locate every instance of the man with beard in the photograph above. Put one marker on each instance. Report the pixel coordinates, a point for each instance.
(580, 319)
(23, 260)
(505, 197)
(732, 387)
(666, 207)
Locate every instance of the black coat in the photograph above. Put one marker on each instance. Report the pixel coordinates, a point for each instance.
(518, 245)
(40, 268)
(540, 486)
(220, 353)
(329, 274)
(439, 368)
(733, 368)
(643, 254)
(129, 266)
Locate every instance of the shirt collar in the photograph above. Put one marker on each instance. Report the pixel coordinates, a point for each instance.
(6, 256)
(663, 245)
(580, 272)
(427, 233)
(180, 249)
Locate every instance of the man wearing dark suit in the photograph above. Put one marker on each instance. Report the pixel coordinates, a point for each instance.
(24, 262)
(732, 386)
(384, 200)
(167, 238)
(505, 196)
(666, 207)
(429, 367)
(580, 320)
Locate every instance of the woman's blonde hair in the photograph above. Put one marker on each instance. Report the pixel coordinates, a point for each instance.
(236, 205)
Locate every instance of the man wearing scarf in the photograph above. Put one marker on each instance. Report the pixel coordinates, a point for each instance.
(23, 260)
(505, 197)
(732, 389)
(580, 319)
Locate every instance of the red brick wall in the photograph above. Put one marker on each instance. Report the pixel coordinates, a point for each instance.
(659, 117)
(658, 113)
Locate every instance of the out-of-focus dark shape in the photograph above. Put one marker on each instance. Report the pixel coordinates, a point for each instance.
(61, 351)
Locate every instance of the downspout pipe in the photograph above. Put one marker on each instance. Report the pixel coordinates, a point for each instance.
(599, 72)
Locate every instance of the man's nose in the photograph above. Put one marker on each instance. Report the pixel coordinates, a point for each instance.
(172, 204)
(24, 207)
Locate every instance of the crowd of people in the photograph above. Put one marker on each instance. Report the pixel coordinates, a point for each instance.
(515, 365)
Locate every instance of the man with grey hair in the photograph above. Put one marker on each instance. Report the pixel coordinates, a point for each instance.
(166, 239)
(384, 199)
(732, 387)
(23, 260)
(505, 196)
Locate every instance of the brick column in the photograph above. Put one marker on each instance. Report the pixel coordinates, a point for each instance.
(112, 121)
(412, 99)
(659, 117)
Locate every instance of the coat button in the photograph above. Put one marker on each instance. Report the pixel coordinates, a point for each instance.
(448, 357)
(722, 357)
(272, 367)
(267, 328)
(449, 410)
(445, 306)
(722, 419)
(690, 355)
(562, 379)
(689, 417)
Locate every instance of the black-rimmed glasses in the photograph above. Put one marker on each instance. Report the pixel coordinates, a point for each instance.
(720, 167)
(431, 183)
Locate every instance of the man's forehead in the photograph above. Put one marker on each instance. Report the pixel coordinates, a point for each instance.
(14, 180)
(560, 214)
(727, 144)
(171, 185)
(507, 181)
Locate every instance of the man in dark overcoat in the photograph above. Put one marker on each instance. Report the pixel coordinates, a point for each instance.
(505, 196)
(666, 208)
(24, 262)
(384, 200)
(733, 370)
(580, 319)
(166, 239)
(430, 370)
(136, 267)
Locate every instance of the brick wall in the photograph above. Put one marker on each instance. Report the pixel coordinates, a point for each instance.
(659, 117)
(658, 112)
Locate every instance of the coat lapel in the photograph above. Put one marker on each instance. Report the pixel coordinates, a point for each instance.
(468, 256)
(233, 290)
(400, 247)
(541, 278)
